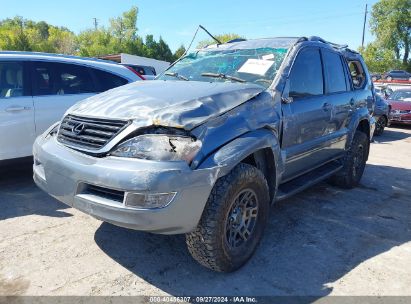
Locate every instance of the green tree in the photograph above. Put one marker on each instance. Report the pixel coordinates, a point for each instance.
(26, 35)
(93, 43)
(379, 59)
(125, 27)
(120, 37)
(222, 37)
(179, 52)
(391, 23)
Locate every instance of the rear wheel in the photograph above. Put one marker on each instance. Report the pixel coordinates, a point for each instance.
(380, 125)
(233, 220)
(354, 163)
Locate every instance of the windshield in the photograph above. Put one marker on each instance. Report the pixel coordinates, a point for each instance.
(401, 95)
(241, 65)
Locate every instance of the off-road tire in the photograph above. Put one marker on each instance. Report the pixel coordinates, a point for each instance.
(208, 243)
(353, 167)
(380, 125)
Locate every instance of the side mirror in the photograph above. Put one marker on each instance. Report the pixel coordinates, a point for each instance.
(286, 98)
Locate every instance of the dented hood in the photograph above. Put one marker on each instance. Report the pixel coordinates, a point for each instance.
(180, 104)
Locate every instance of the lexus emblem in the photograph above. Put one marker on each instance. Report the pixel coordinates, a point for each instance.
(78, 129)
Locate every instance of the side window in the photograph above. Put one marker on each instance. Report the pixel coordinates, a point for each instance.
(11, 79)
(42, 79)
(357, 74)
(306, 77)
(72, 79)
(51, 78)
(334, 71)
(107, 81)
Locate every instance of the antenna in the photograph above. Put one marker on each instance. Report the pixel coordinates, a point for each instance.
(192, 40)
(205, 30)
(365, 21)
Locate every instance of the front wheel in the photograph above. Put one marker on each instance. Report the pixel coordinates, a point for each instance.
(353, 163)
(233, 220)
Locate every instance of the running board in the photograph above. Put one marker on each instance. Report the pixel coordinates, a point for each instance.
(307, 180)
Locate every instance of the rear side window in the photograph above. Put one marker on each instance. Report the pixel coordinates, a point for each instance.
(306, 77)
(334, 72)
(107, 81)
(61, 79)
(42, 79)
(72, 79)
(11, 79)
(357, 74)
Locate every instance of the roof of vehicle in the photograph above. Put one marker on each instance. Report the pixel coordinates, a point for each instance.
(279, 42)
(97, 63)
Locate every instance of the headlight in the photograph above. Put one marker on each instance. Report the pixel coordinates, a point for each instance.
(159, 147)
(52, 130)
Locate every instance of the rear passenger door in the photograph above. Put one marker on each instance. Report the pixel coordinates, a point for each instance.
(341, 98)
(306, 115)
(17, 130)
(56, 87)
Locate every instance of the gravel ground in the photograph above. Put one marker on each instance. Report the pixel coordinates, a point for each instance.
(324, 241)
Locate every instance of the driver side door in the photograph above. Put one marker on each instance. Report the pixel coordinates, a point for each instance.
(306, 115)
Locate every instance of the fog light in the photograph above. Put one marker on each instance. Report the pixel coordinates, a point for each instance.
(149, 200)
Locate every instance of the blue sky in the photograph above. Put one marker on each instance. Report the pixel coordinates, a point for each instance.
(339, 21)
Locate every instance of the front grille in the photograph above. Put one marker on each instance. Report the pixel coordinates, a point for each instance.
(89, 133)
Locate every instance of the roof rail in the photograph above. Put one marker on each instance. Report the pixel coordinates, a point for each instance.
(319, 39)
(236, 40)
(55, 55)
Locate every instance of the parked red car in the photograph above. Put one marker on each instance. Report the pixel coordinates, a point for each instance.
(400, 102)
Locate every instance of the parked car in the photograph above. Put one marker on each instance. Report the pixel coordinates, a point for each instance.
(400, 102)
(209, 146)
(381, 114)
(375, 76)
(147, 72)
(383, 91)
(397, 75)
(37, 88)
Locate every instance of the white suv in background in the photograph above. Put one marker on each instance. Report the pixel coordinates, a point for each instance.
(37, 88)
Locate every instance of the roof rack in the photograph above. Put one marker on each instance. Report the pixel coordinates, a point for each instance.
(334, 45)
(236, 40)
(319, 39)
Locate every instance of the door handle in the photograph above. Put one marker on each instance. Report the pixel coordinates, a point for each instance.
(352, 102)
(17, 109)
(327, 106)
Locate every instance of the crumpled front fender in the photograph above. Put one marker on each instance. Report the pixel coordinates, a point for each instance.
(228, 156)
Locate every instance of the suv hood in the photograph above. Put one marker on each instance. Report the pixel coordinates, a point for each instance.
(180, 104)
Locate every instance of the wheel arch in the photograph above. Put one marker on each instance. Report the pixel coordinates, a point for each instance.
(259, 148)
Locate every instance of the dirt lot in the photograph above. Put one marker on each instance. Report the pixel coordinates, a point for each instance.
(323, 241)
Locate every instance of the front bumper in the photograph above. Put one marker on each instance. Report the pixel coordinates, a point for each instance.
(400, 118)
(63, 173)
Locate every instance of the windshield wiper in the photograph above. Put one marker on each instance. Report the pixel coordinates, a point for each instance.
(223, 76)
(174, 74)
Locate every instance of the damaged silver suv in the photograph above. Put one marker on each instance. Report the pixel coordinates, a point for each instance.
(207, 147)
